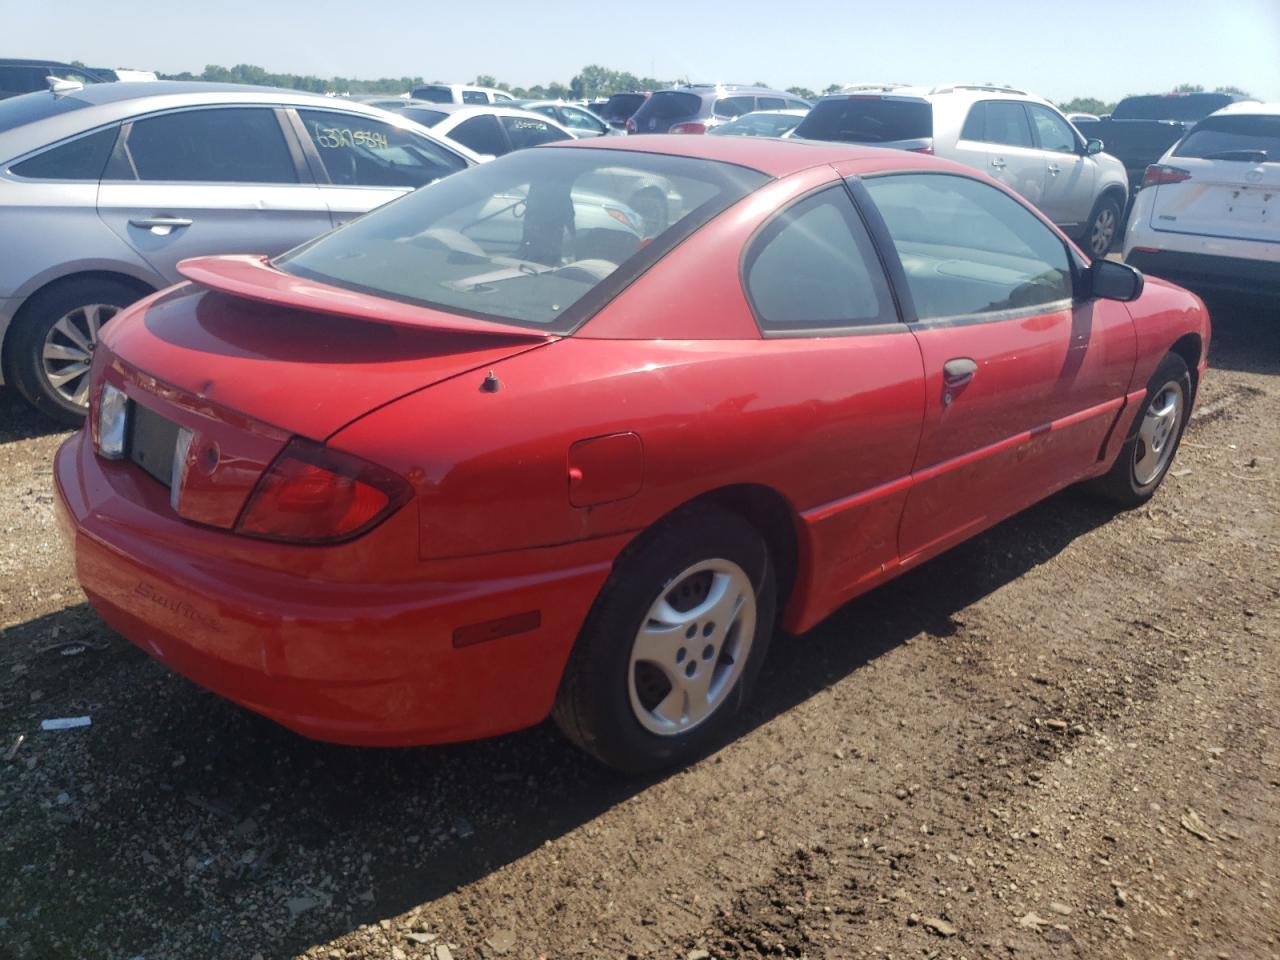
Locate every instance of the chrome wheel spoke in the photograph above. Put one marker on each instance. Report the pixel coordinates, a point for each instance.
(1158, 434)
(67, 353)
(60, 351)
(66, 374)
(71, 330)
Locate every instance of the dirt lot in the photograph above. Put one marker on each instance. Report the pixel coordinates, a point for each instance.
(1059, 740)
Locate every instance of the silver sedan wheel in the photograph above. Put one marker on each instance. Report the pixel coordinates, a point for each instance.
(1103, 233)
(1158, 434)
(691, 647)
(68, 350)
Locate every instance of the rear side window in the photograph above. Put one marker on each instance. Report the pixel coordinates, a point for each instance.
(1242, 137)
(482, 134)
(1006, 123)
(17, 80)
(229, 145)
(358, 151)
(770, 103)
(424, 115)
(81, 159)
(969, 249)
(734, 106)
(813, 267)
(474, 96)
(868, 120)
(433, 94)
(528, 132)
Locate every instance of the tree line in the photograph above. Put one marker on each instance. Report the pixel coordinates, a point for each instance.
(590, 82)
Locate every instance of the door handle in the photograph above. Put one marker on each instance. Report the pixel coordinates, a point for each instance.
(998, 163)
(955, 374)
(1054, 169)
(161, 226)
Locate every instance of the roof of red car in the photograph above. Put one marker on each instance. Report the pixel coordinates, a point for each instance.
(776, 158)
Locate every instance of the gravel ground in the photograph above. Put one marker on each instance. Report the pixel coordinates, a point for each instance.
(1058, 740)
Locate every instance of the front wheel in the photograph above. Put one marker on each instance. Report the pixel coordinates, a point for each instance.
(673, 644)
(1147, 454)
(1104, 225)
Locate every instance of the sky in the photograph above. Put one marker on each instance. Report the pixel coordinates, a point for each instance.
(1102, 48)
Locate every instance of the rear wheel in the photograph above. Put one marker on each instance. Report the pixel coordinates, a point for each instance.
(1147, 454)
(673, 644)
(52, 343)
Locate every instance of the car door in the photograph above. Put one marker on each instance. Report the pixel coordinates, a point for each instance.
(834, 339)
(1022, 380)
(1070, 177)
(526, 132)
(212, 180)
(1012, 156)
(361, 162)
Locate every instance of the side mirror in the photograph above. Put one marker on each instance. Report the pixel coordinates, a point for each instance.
(1094, 145)
(1110, 280)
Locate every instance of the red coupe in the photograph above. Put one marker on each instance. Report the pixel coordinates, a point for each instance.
(574, 431)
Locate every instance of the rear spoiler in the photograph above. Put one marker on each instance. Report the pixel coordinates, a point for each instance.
(254, 278)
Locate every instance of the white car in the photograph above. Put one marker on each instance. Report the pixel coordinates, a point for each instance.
(1022, 140)
(459, 93)
(761, 123)
(1208, 214)
(488, 131)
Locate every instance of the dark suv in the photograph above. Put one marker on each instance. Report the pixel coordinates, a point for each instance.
(28, 76)
(698, 107)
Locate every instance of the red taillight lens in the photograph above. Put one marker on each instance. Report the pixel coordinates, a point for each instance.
(928, 150)
(689, 128)
(1159, 173)
(314, 494)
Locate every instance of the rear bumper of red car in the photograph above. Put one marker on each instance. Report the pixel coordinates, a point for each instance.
(394, 652)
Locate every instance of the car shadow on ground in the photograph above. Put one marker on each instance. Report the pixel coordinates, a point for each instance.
(223, 824)
(1246, 333)
(20, 421)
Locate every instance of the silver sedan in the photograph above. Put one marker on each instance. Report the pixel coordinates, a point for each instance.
(103, 189)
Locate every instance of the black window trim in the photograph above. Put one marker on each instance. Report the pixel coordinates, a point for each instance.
(746, 258)
(121, 157)
(39, 151)
(898, 276)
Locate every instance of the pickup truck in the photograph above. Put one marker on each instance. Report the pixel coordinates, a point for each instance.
(1142, 128)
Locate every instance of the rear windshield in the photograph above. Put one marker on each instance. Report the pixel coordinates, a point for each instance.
(1255, 138)
(668, 104)
(434, 94)
(30, 107)
(539, 238)
(1186, 106)
(424, 115)
(622, 104)
(868, 120)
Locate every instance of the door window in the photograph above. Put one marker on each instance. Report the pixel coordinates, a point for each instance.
(576, 119)
(813, 267)
(474, 96)
(969, 249)
(1005, 122)
(1053, 132)
(734, 106)
(359, 151)
(770, 103)
(224, 145)
(529, 132)
(81, 159)
(482, 134)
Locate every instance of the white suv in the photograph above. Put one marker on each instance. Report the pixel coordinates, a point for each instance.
(1208, 214)
(1021, 140)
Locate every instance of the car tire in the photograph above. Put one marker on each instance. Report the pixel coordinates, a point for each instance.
(48, 340)
(664, 598)
(1103, 229)
(1148, 452)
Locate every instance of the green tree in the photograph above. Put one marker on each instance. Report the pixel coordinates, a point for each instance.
(1235, 90)
(833, 88)
(802, 92)
(1188, 88)
(1086, 105)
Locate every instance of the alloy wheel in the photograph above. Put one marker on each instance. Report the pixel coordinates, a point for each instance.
(68, 348)
(691, 647)
(1158, 434)
(1104, 232)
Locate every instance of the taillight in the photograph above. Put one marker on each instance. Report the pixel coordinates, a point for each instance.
(928, 150)
(315, 494)
(688, 128)
(108, 417)
(1159, 173)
